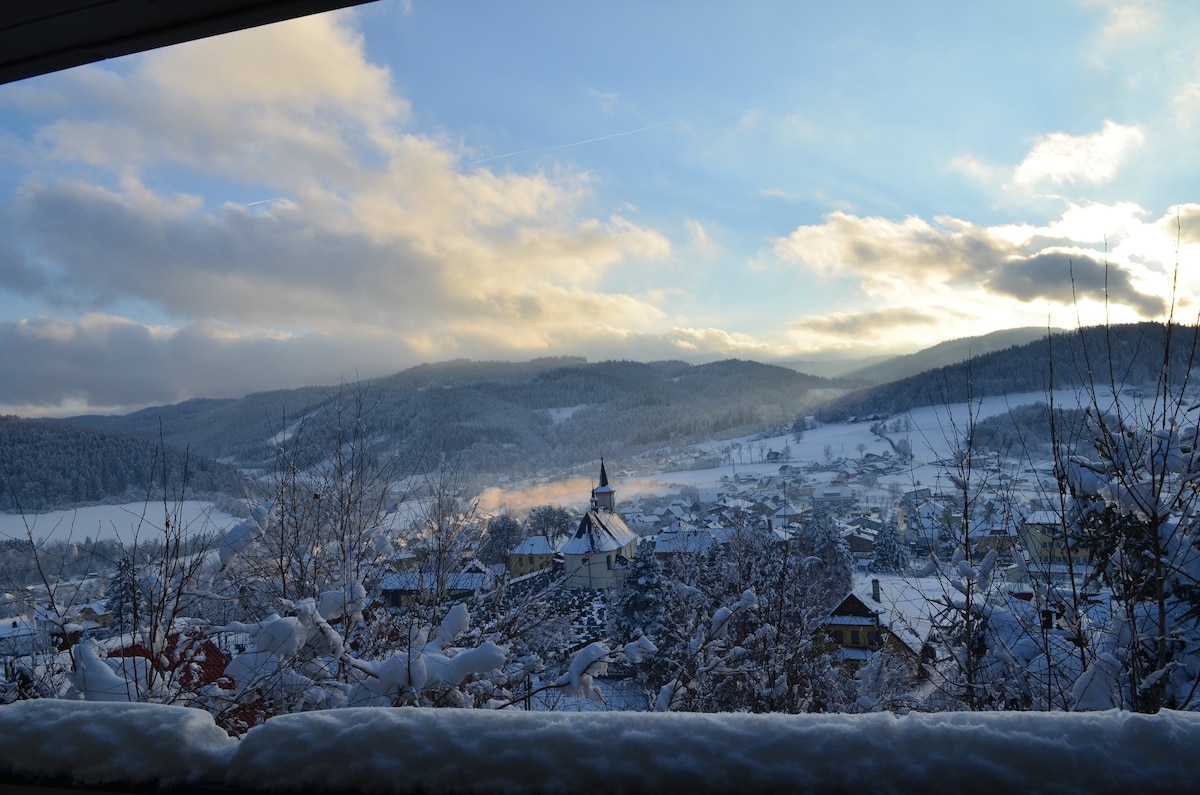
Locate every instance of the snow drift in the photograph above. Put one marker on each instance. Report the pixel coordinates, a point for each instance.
(425, 750)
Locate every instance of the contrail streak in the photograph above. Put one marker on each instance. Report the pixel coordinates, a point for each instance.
(267, 201)
(556, 147)
(568, 146)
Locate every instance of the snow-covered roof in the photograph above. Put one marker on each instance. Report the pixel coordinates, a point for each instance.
(16, 627)
(414, 581)
(535, 545)
(599, 531)
(854, 621)
(682, 540)
(906, 604)
(851, 653)
(833, 493)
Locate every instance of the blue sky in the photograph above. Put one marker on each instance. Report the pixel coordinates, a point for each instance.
(350, 194)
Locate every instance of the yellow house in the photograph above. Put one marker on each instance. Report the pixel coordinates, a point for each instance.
(533, 554)
(861, 625)
(1044, 539)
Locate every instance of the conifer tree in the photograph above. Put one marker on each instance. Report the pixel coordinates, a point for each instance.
(890, 554)
(641, 600)
(123, 598)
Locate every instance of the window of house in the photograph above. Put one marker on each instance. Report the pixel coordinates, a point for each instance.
(855, 638)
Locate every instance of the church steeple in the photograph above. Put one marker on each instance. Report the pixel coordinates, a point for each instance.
(604, 496)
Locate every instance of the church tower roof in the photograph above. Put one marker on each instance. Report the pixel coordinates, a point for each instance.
(604, 495)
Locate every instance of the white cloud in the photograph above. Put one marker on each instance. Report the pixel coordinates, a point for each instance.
(796, 127)
(698, 237)
(1186, 101)
(779, 193)
(1094, 222)
(718, 342)
(1124, 19)
(974, 168)
(920, 277)
(1093, 159)
(385, 238)
(750, 119)
(606, 101)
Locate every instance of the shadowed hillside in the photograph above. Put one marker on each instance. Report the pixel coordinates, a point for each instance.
(49, 465)
(1120, 356)
(494, 416)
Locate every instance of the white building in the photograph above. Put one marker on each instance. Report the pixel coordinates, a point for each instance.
(598, 555)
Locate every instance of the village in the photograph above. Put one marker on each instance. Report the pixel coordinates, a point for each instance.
(901, 544)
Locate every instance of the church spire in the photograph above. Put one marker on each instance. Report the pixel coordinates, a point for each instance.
(604, 496)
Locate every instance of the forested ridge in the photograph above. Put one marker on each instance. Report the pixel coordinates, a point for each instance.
(1098, 356)
(528, 417)
(495, 416)
(46, 465)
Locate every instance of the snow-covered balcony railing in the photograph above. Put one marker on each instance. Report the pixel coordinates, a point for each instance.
(431, 751)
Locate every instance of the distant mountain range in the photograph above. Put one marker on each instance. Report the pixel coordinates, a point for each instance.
(945, 353)
(520, 418)
(1100, 357)
(881, 369)
(547, 416)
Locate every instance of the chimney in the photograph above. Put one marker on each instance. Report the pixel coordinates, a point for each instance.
(875, 589)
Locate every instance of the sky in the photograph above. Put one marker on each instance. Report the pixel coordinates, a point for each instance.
(350, 194)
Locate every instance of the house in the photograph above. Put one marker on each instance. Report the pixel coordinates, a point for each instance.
(681, 539)
(911, 498)
(93, 615)
(597, 556)
(832, 497)
(1046, 557)
(860, 542)
(402, 589)
(20, 637)
(892, 615)
(787, 514)
(853, 630)
(66, 629)
(998, 537)
(1044, 539)
(533, 554)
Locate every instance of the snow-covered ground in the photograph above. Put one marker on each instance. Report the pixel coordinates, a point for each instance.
(933, 432)
(121, 522)
(402, 750)
(464, 751)
(931, 435)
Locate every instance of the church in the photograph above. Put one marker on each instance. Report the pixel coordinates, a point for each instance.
(598, 555)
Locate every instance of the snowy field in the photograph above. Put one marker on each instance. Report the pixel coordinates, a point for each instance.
(932, 435)
(121, 522)
(468, 751)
